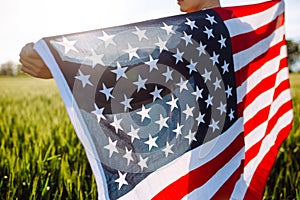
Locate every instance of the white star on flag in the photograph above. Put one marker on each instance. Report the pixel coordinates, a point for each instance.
(200, 118)
(187, 38)
(132, 52)
(121, 180)
(178, 56)
(120, 71)
(84, 79)
(126, 103)
(222, 42)
(152, 63)
(68, 45)
(208, 101)
(162, 122)
(173, 103)
(107, 92)
(99, 113)
(117, 124)
(140, 34)
(140, 83)
(215, 58)
(111, 147)
(192, 66)
(191, 24)
(151, 142)
(168, 29)
(191, 136)
(209, 32)
(168, 74)
(162, 45)
(144, 113)
(222, 108)
(168, 149)
(206, 75)
(156, 93)
(108, 39)
(228, 91)
(128, 155)
(217, 83)
(178, 130)
(225, 67)
(231, 116)
(134, 133)
(214, 125)
(143, 163)
(96, 59)
(182, 84)
(198, 93)
(201, 49)
(211, 19)
(188, 111)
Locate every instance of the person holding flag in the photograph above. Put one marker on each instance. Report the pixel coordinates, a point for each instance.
(193, 106)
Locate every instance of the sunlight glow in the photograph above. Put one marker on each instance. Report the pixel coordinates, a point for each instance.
(28, 21)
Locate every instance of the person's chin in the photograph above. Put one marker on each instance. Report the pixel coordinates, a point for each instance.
(183, 9)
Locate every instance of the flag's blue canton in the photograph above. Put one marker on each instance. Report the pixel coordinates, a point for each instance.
(159, 89)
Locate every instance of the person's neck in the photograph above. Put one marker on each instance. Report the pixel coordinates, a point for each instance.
(208, 5)
(211, 4)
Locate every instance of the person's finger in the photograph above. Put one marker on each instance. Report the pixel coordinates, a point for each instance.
(28, 52)
(36, 68)
(44, 74)
(29, 71)
(33, 64)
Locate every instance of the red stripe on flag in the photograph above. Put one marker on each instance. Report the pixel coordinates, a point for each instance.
(260, 117)
(253, 151)
(255, 36)
(260, 177)
(250, 97)
(241, 109)
(243, 74)
(283, 86)
(227, 188)
(242, 11)
(198, 177)
(284, 108)
(266, 84)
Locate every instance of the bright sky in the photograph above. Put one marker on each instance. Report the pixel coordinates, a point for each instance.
(23, 21)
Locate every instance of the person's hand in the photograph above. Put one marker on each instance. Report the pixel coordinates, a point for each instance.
(32, 63)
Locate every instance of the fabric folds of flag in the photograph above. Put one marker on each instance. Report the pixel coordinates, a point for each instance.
(193, 106)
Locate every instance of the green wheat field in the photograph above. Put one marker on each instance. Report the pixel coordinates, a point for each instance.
(42, 158)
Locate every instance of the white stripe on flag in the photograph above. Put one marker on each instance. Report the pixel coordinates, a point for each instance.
(256, 135)
(266, 70)
(283, 97)
(184, 164)
(239, 189)
(75, 117)
(267, 144)
(241, 59)
(262, 101)
(243, 183)
(251, 23)
(212, 186)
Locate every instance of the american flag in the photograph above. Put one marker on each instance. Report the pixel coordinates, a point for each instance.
(193, 106)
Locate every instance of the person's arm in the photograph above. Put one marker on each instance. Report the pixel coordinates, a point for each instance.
(32, 63)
